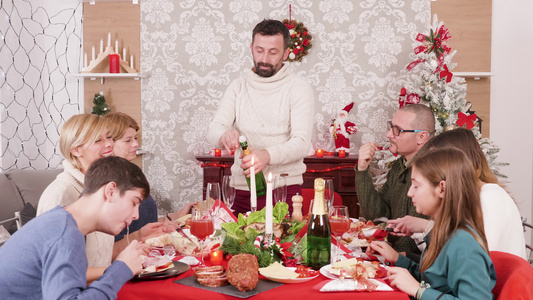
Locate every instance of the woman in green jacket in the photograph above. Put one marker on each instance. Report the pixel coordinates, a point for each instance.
(456, 263)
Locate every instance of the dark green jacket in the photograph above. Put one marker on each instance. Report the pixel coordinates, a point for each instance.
(391, 201)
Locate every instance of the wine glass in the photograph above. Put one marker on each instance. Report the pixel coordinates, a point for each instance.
(280, 189)
(329, 193)
(213, 196)
(228, 192)
(339, 222)
(202, 225)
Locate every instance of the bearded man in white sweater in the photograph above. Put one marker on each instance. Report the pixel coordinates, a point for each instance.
(273, 108)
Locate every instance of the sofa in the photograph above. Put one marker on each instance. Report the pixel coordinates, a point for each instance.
(20, 191)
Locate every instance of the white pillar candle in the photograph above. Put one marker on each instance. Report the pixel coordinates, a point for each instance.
(116, 46)
(124, 53)
(109, 39)
(253, 192)
(93, 55)
(131, 61)
(268, 207)
(85, 60)
(101, 45)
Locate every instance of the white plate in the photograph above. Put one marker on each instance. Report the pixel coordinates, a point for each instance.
(325, 270)
(290, 280)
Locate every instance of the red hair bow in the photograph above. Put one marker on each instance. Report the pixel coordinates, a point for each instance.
(466, 119)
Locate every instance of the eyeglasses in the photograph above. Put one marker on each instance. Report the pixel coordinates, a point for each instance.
(396, 130)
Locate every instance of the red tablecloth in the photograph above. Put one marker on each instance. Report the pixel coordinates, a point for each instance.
(167, 289)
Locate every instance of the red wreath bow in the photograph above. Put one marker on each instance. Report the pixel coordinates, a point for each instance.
(466, 119)
(446, 73)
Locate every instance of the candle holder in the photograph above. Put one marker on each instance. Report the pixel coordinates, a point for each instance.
(218, 153)
(342, 153)
(319, 153)
(268, 239)
(216, 257)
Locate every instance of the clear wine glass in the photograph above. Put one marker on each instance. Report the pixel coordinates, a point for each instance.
(329, 193)
(339, 222)
(280, 189)
(213, 196)
(228, 192)
(202, 225)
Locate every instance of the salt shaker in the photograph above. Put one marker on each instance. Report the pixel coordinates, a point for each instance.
(297, 201)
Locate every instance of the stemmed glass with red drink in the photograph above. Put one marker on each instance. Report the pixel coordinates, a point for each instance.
(202, 226)
(339, 222)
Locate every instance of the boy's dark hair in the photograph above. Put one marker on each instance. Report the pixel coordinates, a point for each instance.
(270, 27)
(125, 174)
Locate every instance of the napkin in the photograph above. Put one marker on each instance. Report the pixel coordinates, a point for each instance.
(190, 260)
(349, 285)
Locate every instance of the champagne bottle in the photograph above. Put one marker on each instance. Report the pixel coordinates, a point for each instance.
(318, 231)
(260, 184)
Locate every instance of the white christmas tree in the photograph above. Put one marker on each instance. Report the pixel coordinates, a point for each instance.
(431, 82)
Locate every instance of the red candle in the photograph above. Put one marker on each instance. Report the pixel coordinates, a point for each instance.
(319, 153)
(342, 153)
(114, 63)
(218, 152)
(216, 257)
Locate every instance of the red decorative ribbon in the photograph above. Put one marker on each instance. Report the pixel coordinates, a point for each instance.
(434, 42)
(446, 73)
(466, 119)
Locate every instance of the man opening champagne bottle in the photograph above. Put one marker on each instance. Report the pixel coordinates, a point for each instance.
(273, 108)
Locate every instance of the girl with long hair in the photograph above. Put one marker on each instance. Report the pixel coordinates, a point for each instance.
(456, 263)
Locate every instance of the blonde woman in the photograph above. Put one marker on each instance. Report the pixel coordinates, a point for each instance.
(84, 138)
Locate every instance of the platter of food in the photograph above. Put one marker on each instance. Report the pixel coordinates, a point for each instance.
(278, 273)
(171, 269)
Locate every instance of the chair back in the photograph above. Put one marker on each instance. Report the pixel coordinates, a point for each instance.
(309, 194)
(514, 277)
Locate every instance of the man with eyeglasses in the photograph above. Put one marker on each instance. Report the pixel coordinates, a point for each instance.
(410, 128)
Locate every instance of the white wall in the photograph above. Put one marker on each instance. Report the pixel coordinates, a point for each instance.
(512, 97)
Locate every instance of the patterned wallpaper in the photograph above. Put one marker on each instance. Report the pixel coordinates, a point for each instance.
(191, 50)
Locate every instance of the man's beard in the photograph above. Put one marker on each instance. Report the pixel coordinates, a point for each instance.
(341, 120)
(264, 72)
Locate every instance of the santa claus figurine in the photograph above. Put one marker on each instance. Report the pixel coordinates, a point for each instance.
(341, 128)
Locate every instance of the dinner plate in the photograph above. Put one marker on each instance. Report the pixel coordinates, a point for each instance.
(178, 268)
(290, 280)
(326, 271)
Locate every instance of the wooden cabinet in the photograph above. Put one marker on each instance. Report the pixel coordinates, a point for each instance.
(341, 170)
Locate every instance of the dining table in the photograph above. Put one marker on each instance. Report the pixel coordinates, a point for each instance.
(167, 288)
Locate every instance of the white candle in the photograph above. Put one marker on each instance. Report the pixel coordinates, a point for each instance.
(109, 39)
(253, 193)
(268, 207)
(124, 53)
(85, 60)
(93, 56)
(131, 61)
(116, 46)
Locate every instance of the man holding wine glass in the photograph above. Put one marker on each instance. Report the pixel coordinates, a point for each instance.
(273, 108)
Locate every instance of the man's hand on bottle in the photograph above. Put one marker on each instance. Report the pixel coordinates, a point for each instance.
(366, 153)
(261, 159)
(229, 140)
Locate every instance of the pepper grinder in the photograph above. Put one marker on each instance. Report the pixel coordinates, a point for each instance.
(297, 201)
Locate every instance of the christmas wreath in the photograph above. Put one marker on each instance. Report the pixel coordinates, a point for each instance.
(300, 42)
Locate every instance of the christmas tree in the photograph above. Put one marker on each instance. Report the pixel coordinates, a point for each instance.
(100, 106)
(430, 81)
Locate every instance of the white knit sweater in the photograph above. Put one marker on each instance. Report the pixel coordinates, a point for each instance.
(63, 191)
(274, 113)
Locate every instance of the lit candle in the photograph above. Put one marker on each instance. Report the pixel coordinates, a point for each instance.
(268, 208)
(101, 45)
(85, 60)
(218, 153)
(124, 53)
(109, 39)
(93, 56)
(216, 257)
(253, 194)
(319, 153)
(131, 61)
(116, 46)
(342, 153)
